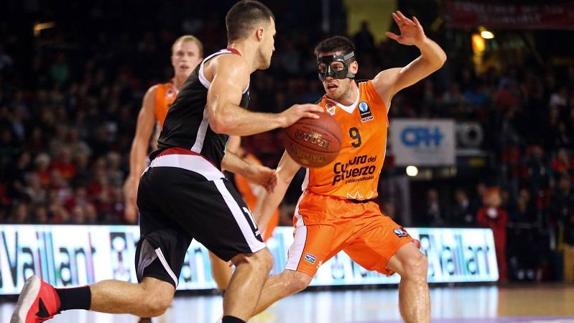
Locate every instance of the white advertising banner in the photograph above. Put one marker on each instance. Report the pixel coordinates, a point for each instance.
(78, 255)
(423, 142)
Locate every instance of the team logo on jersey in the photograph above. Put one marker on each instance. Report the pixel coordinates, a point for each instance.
(310, 258)
(365, 112)
(400, 232)
(331, 107)
(331, 110)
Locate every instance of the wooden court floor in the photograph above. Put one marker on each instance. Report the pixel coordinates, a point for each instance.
(533, 303)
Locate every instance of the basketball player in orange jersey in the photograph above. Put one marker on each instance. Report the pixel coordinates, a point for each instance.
(337, 210)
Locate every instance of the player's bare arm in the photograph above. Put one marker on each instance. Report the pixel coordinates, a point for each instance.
(270, 201)
(140, 144)
(230, 77)
(255, 173)
(390, 81)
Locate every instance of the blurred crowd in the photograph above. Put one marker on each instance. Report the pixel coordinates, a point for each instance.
(66, 125)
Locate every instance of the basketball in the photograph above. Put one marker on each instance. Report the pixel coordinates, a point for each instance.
(313, 142)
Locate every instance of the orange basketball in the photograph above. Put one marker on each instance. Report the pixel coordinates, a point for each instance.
(313, 142)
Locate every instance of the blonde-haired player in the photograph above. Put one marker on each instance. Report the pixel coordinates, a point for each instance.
(337, 211)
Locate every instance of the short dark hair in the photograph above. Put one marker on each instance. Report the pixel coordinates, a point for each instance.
(243, 15)
(335, 44)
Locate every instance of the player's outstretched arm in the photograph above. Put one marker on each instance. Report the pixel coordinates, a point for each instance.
(269, 202)
(254, 173)
(390, 81)
(138, 153)
(230, 78)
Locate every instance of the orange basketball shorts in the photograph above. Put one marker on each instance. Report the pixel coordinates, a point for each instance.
(325, 225)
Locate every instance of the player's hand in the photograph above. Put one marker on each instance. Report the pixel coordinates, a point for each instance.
(298, 111)
(412, 32)
(263, 176)
(130, 197)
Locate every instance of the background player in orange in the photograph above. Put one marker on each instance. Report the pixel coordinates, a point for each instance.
(186, 54)
(252, 192)
(337, 210)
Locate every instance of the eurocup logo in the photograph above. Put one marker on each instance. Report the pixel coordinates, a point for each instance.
(365, 112)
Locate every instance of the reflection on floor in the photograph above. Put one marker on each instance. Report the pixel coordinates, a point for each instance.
(539, 304)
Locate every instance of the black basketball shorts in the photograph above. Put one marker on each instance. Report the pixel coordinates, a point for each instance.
(183, 197)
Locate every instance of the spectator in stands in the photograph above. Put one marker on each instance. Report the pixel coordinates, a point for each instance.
(491, 215)
(433, 216)
(563, 164)
(463, 214)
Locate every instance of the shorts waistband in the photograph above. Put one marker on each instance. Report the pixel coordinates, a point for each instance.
(189, 161)
(173, 151)
(361, 201)
(341, 199)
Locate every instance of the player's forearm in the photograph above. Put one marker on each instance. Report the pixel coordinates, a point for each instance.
(138, 156)
(235, 164)
(268, 203)
(431, 53)
(237, 121)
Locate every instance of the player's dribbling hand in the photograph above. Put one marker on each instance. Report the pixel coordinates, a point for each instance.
(412, 32)
(298, 111)
(263, 176)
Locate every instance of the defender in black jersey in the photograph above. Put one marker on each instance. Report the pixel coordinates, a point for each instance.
(183, 194)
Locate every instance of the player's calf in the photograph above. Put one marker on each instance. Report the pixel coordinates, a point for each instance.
(295, 281)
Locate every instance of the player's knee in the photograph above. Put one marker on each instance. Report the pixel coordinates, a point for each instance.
(415, 266)
(156, 298)
(261, 261)
(156, 304)
(264, 260)
(297, 281)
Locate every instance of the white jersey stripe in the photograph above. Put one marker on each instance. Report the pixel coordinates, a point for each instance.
(254, 243)
(166, 265)
(201, 132)
(196, 164)
(204, 81)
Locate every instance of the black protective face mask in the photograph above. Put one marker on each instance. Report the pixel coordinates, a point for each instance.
(335, 66)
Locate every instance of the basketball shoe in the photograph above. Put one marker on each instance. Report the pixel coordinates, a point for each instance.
(37, 303)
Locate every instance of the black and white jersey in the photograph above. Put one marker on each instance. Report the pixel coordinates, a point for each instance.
(187, 124)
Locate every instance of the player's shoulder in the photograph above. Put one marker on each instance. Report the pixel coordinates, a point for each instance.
(232, 61)
(152, 90)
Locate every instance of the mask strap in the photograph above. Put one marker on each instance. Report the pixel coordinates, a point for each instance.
(349, 58)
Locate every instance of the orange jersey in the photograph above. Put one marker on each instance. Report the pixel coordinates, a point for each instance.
(354, 174)
(165, 94)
